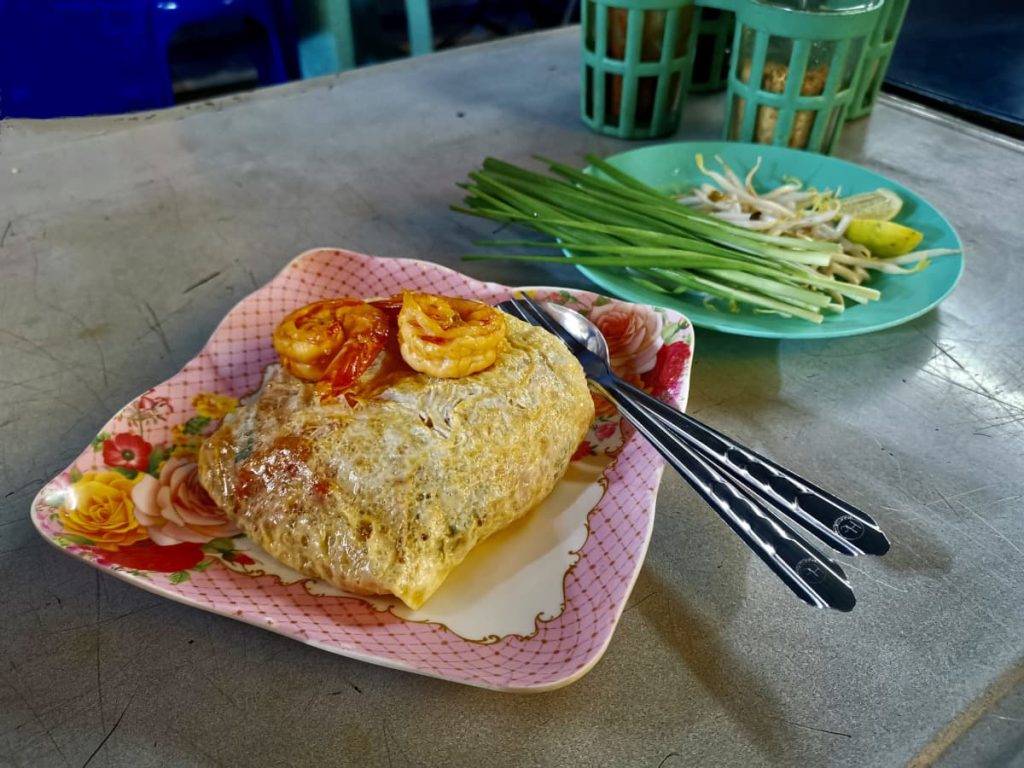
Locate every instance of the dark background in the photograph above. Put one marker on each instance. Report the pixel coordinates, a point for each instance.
(962, 56)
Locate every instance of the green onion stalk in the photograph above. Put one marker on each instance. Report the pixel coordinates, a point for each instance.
(609, 219)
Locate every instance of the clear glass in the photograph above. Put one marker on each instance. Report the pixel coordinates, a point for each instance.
(589, 22)
(853, 59)
(778, 68)
(822, 6)
(653, 42)
(831, 128)
(588, 92)
(714, 48)
(736, 122)
(893, 20)
(687, 18)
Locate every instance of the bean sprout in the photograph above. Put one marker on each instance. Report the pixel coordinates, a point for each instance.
(791, 210)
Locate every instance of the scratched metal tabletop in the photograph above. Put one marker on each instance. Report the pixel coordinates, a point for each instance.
(125, 240)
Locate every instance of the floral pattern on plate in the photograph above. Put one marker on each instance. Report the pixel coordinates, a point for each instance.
(131, 503)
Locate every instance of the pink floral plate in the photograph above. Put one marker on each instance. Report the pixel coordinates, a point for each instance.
(531, 609)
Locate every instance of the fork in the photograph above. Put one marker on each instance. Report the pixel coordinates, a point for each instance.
(839, 524)
(747, 509)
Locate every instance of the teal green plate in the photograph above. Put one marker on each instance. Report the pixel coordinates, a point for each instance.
(672, 167)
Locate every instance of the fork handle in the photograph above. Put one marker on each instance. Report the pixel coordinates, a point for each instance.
(837, 523)
(811, 576)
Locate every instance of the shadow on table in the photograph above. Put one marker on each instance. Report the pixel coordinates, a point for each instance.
(733, 371)
(738, 387)
(737, 688)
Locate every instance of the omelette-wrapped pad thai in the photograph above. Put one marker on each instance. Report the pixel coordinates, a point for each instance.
(394, 437)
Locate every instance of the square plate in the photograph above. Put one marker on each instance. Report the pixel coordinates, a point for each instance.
(531, 609)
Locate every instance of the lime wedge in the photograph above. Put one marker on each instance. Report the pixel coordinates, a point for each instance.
(882, 205)
(884, 239)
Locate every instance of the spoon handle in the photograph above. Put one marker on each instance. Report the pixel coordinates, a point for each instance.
(834, 521)
(811, 576)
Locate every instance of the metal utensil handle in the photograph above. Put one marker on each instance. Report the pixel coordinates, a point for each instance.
(792, 559)
(781, 512)
(811, 576)
(838, 523)
(830, 519)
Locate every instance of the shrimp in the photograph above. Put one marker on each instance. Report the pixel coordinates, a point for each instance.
(448, 337)
(331, 342)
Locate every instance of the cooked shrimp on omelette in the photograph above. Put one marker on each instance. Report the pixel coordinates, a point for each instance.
(448, 337)
(333, 342)
(396, 435)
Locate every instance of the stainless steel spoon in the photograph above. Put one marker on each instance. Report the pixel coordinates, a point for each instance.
(839, 524)
(810, 575)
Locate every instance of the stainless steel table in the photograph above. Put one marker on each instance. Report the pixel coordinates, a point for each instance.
(714, 662)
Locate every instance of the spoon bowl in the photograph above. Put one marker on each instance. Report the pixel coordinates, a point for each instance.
(581, 328)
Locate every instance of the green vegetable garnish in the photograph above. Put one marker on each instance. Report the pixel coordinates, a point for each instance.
(610, 219)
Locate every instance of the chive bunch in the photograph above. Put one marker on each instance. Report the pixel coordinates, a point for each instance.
(609, 219)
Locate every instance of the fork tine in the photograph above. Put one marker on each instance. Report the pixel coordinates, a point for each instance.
(539, 316)
(511, 308)
(523, 311)
(532, 310)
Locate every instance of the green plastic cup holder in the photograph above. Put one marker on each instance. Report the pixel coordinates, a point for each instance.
(715, 29)
(875, 62)
(794, 71)
(637, 58)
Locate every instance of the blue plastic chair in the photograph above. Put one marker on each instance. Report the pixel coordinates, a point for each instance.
(169, 17)
(86, 57)
(332, 47)
(72, 57)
